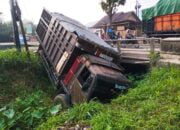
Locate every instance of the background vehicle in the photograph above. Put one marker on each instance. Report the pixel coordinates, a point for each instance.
(162, 20)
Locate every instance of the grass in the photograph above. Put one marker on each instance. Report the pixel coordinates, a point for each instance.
(26, 100)
(25, 91)
(154, 58)
(20, 76)
(152, 104)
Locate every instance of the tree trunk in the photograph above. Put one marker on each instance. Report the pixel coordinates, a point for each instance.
(110, 18)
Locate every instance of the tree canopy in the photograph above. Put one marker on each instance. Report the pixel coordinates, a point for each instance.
(6, 32)
(110, 7)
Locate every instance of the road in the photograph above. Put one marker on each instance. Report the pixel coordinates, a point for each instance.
(32, 45)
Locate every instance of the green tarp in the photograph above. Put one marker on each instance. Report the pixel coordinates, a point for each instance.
(163, 7)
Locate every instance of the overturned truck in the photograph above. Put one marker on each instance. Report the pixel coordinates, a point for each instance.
(80, 64)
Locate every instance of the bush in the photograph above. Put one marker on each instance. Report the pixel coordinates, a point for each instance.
(19, 76)
(25, 91)
(80, 114)
(27, 113)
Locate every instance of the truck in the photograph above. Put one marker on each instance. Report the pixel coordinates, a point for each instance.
(80, 64)
(163, 19)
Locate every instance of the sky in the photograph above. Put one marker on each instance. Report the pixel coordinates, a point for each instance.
(85, 11)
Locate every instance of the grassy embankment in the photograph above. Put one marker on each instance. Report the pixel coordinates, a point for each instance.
(25, 91)
(152, 103)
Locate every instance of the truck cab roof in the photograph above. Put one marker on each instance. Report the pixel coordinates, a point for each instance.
(101, 67)
(94, 60)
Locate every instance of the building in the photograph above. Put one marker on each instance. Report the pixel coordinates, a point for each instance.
(121, 22)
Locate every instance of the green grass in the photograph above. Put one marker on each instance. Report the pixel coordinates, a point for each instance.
(152, 104)
(20, 76)
(25, 91)
(26, 100)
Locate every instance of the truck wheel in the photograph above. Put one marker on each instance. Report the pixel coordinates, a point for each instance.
(61, 99)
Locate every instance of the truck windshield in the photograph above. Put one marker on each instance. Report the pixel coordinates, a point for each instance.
(85, 79)
(107, 89)
(106, 84)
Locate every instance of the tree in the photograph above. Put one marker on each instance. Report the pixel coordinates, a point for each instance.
(110, 7)
(6, 32)
(30, 24)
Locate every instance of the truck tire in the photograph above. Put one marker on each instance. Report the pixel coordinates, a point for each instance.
(62, 99)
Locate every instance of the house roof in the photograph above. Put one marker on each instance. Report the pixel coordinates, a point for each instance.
(118, 18)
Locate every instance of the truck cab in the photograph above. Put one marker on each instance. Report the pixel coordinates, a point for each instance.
(92, 77)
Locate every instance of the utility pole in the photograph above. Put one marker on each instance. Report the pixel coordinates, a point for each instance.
(15, 25)
(16, 17)
(0, 17)
(137, 7)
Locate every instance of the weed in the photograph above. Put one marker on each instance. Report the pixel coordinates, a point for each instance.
(20, 76)
(25, 91)
(152, 104)
(154, 58)
(81, 113)
(27, 113)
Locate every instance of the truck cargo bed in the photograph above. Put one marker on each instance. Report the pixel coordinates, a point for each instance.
(62, 39)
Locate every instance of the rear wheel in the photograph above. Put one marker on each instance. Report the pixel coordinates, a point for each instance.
(63, 100)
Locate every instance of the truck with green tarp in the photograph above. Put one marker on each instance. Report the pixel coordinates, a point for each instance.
(163, 19)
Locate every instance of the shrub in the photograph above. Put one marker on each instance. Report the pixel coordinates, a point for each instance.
(27, 113)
